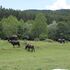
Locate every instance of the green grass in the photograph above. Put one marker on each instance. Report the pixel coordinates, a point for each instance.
(47, 56)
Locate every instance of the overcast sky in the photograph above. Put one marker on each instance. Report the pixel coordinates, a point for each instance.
(36, 4)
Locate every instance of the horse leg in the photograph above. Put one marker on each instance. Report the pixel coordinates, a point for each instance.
(28, 49)
(33, 49)
(13, 46)
(18, 45)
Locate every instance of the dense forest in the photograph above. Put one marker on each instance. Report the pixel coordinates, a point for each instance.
(35, 24)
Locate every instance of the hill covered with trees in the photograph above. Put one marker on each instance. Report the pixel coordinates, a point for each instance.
(32, 24)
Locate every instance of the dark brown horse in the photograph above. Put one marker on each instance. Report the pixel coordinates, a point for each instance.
(30, 47)
(14, 40)
(61, 40)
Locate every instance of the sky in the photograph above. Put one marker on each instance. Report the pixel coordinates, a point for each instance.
(36, 4)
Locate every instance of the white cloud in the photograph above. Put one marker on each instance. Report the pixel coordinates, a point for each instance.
(58, 4)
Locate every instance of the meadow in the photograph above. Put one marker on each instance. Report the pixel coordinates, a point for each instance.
(47, 56)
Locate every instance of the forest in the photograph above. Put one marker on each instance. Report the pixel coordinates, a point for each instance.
(35, 24)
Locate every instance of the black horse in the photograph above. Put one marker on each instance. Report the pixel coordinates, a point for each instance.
(30, 47)
(14, 41)
(61, 40)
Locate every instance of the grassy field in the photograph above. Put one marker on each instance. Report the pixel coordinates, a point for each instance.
(47, 56)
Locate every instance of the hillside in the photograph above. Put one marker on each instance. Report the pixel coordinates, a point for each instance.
(58, 15)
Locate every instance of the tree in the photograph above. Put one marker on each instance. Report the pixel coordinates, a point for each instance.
(1, 33)
(27, 29)
(61, 29)
(9, 25)
(20, 30)
(67, 34)
(40, 26)
(52, 30)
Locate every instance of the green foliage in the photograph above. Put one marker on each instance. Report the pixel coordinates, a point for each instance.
(9, 25)
(63, 29)
(52, 30)
(58, 15)
(20, 29)
(27, 29)
(40, 26)
(43, 36)
(1, 33)
(33, 23)
(59, 30)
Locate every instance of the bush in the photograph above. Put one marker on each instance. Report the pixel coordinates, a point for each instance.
(36, 39)
(48, 40)
(42, 36)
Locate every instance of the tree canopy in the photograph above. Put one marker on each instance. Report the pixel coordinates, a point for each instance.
(31, 24)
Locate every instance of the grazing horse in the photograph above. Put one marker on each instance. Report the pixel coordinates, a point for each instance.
(30, 47)
(61, 40)
(14, 42)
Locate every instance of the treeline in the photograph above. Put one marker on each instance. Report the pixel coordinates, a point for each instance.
(35, 24)
(30, 29)
(58, 15)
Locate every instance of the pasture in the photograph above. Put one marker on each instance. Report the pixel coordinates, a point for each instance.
(47, 56)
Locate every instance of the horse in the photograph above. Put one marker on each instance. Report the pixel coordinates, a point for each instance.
(14, 42)
(61, 40)
(30, 47)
